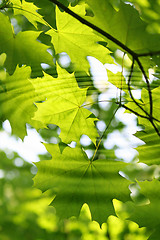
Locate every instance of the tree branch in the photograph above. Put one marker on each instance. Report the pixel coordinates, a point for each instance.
(110, 37)
(125, 48)
(94, 27)
(148, 86)
(129, 89)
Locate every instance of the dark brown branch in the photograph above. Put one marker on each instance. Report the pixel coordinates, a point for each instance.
(156, 129)
(131, 110)
(148, 86)
(129, 89)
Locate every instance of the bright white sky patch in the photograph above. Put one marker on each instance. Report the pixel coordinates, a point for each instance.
(89, 153)
(124, 140)
(85, 140)
(126, 154)
(45, 66)
(1, 174)
(151, 76)
(99, 73)
(27, 149)
(101, 126)
(113, 68)
(64, 59)
(136, 93)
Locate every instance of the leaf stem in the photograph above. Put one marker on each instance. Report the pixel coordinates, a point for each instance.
(100, 140)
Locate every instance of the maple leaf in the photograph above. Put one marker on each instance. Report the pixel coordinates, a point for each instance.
(29, 10)
(73, 178)
(123, 25)
(20, 48)
(64, 106)
(149, 152)
(76, 180)
(146, 215)
(77, 40)
(17, 101)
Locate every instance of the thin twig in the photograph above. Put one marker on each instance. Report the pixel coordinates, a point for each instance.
(142, 116)
(120, 98)
(130, 92)
(100, 140)
(148, 86)
(131, 110)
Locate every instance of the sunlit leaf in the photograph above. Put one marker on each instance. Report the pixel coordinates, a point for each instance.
(29, 10)
(77, 40)
(149, 152)
(76, 180)
(147, 215)
(20, 48)
(125, 25)
(17, 98)
(64, 106)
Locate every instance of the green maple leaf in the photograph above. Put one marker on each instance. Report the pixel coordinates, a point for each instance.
(29, 10)
(149, 152)
(102, 13)
(147, 215)
(17, 101)
(76, 180)
(77, 40)
(125, 25)
(20, 48)
(63, 106)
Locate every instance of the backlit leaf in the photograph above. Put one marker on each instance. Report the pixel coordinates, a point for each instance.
(76, 180)
(17, 101)
(149, 152)
(29, 10)
(147, 215)
(124, 25)
(64, 106)
(20, 48)
(77, 40)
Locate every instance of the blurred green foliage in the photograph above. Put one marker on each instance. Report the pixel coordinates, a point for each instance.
(25, 214)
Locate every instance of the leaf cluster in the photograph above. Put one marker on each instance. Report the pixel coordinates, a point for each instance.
(37, 88)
